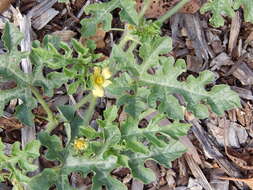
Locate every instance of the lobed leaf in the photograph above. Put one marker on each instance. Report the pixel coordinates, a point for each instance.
(163, 156)
(220, 8)
(19, 162)
(134, 136)
(219, 98)
(101, 14)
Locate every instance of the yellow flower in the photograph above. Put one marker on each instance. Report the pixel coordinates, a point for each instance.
(130, 27)
(80, 144)
(99, 79)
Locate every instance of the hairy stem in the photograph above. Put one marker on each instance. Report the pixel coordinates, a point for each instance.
(83, 101)
(90, 110)
(50, 116)
(45, 106)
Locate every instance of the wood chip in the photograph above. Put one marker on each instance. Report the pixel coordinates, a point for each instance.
(197, 172)
(196, 35)
(249, 181)
(244, 74)
(243, 93)
(42, 14)
(64, 35)
(42, 20)
(194, 63)
(242, 160)
(191, 150)
(212, 150)
(221, 60)
(234, 32)
(137, 185)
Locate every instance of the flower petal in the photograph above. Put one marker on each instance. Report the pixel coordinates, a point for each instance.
(106, 73)
(106, 83)
(98, 91)
(97, 71)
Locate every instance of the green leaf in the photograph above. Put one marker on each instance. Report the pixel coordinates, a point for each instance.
(218, 7)
(163, 156)
(11, 37)
(101, 14)
(193, 90)
(150, 50)
(63, 1)
(24, 114)
(19, 162)
(72, 88)
(88, 132)
(75, 121)
(128, 12)
(168, 103)
(134, 104)
(101, 170)
(49, 177)
(55, 150)
(10, 70)
(247, 6)
(111, 132)
(133, 135)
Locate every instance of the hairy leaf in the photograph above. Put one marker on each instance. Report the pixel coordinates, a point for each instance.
(10, 70)
(19, 162)
(219, 8)
(55, 150)
(101, 170)
(101, 14)
(247, 6)
(219, 98)
(133, 135)
(163, 156)
(49, 177)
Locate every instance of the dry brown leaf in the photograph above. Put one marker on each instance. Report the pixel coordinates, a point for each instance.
(98, 38)
(249, 181)
(10, 123)
(4, 5)
(160, 7)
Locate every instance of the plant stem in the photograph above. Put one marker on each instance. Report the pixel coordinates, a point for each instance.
(52, 122)
(172, 11)
(40, 99)
(83, 101)
(90, 110)
(117, 29)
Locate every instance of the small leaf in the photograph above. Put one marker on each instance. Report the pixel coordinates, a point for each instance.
(55, 150)
(218, 7)
(11, 36)
(72, 88)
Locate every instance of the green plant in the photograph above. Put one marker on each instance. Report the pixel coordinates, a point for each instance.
(144, 81)
(220, 8)
(18, 163)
